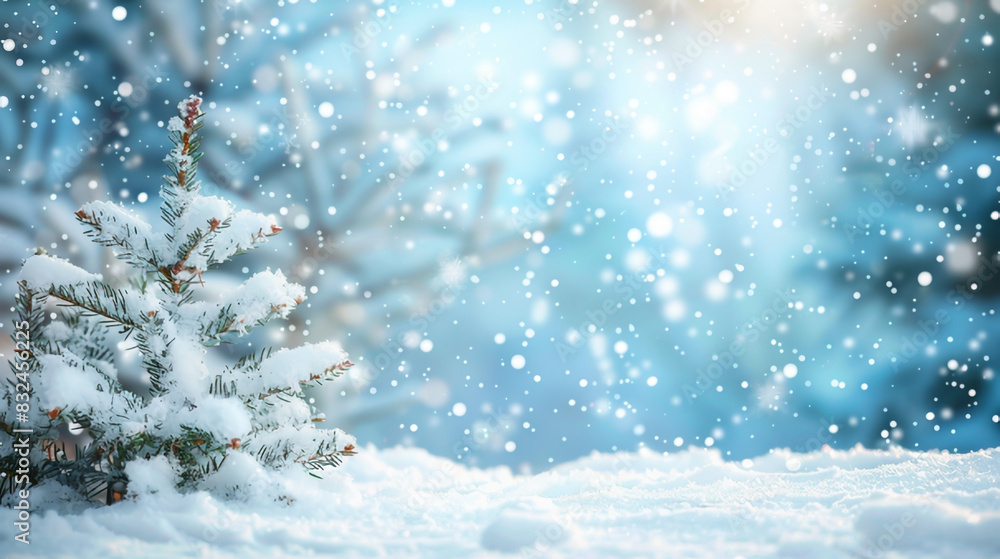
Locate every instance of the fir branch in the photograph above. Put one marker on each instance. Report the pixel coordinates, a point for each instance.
(113, 388)
(98, 299)
(213, 332)
(245, 230)
(183, 159)
(315, 379)
(154, 358)
(197, 238)
(198, 452)
(198, 242)
(29, 311)
(110, 225)
(180, 188)
(29, 306)
(91, 341)
(221, 388)
(243, 309)
(328, 455)
(252, 360)
(287, 372)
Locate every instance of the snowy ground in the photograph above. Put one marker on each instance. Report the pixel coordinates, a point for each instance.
(404, 502)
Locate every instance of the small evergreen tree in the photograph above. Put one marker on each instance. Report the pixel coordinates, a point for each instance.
(192, 416)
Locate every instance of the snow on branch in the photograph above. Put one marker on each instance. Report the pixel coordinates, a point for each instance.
(67, 389)
(287, 370)
(119, 307)
(193, 232)
(305, 364)
(265, 296)
(285, 443)
(209, 231)
(42, 272)
(245, 231)
(132, 238)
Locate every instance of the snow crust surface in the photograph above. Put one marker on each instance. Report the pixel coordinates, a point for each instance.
(404, 502)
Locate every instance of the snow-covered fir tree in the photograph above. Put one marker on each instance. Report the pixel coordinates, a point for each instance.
(195, 419)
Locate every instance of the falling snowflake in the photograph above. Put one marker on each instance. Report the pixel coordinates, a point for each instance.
(830, 26)
(913, 127)
(453, 272)
(56, 82)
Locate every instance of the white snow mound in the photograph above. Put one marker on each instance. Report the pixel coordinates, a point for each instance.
(403, 502)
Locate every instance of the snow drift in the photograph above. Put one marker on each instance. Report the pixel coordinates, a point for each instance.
(404, 502)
